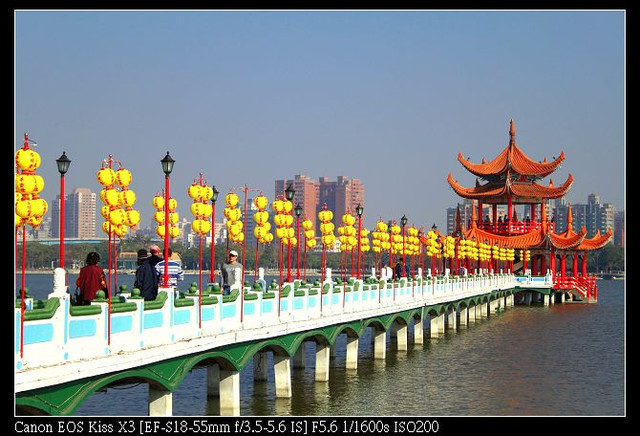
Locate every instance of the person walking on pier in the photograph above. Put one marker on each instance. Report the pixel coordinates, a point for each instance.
(231, 273)
(146, 276)
(91, 279)
(175, 271)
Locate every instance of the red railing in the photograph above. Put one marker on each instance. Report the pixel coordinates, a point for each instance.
(584, 285)
(516, 227)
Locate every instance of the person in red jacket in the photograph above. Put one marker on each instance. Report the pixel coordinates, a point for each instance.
(91, 279)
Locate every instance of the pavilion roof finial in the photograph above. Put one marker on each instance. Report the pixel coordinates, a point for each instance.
(512, 131)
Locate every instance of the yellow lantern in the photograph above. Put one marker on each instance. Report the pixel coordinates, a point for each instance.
(172, 204)
(327, 227)
(40, 206)
(207, 210)
(260, 202)
(173, 218)
(117, 217)
(288, 206)
(280, 220)
(307, 224)
(197, 209)
(106, 227)
(174, 232)
(158, 202)
(261, 217)
(310, 234)
(24, 209)
(278, 205)
(19, 220)
(110, 196)
(206, 193)
(25, 183)
(280, 232)
(27, 160)
(106, 176)
(293, 241)
(159, 217)
(123, 178)
(132, 218)
(268, 237)
(259, 232)
(121, 230)
(127, 198)
(311, 243)
(160, 231)
(195, 191)
(34, 221)
(231, 199)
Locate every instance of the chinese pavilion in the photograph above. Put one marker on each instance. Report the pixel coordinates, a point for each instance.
(513, 178)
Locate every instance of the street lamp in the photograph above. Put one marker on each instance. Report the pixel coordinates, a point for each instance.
(298, 211)
(63, 166)
(214, 198)
(403, 221)
(359, 210)
(288, 194)
(167, 166)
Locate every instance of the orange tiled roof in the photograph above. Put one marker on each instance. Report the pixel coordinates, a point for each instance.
(598, 241)
(514, 159)
(518, 189)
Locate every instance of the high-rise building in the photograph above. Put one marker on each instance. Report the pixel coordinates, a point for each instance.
(306, 195)
(593, 215)
(79, 215)
(340, 196)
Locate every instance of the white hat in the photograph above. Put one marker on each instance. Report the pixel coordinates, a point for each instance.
(233, 253)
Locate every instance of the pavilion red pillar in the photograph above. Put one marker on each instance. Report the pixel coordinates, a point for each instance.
(533, 215)
(574, 269)
(480, 221)
(584, 264)
(495, 217)
(509, 212)
(563, 266)
(534, 264)
(552, 263)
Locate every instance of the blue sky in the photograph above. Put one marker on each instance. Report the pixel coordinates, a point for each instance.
(389, 97)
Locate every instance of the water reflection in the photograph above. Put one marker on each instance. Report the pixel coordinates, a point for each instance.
(566, 359)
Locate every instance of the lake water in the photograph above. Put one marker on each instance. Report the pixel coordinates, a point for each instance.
(561, 360)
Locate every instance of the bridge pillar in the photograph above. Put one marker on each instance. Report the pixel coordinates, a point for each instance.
(464, 316)
(352, 352)
(229, 393)
(380, 344)
(213, 380)
(471, 311)
(418, 332)
(451, 320)
(260, 366)
(160, 402)
(437, 325)
(402, 335)
(546, 300)
(562, 297)
(299, 359)
(282, 372)
(322, 362)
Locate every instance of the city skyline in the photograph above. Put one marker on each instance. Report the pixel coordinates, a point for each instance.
(389, 98)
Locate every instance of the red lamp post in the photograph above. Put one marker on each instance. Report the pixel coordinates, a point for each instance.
(359, 210)
(63, 166)
(298, 211)
(403, 221)
(167, 166)
(289, 193)
(212, 275)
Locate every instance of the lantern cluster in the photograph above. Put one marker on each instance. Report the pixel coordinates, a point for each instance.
(364, 241)
(434, 248)
(200, 193)
(159, 216)
(468, 249)
(380, 237)
(118, 209)
(328, 239)
(29, 207)
(396, 239)
(449, 247)
(233, 215)
(525, 255)
(261, 217)
(347, 233)
(484, 251)
(505, 254)
(411, 242)
(309, 233)
(283, 221)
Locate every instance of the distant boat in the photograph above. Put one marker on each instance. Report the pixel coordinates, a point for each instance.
(616, 275)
